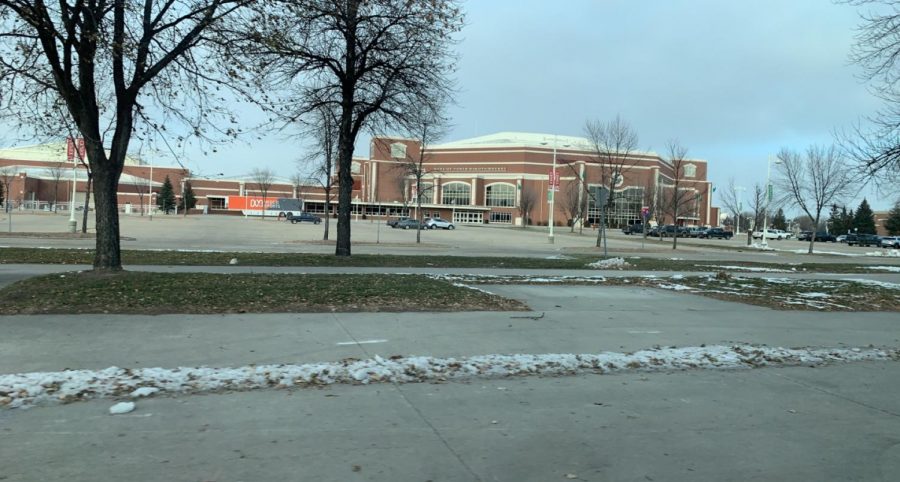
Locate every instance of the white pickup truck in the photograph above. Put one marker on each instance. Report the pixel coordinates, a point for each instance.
(773, 234)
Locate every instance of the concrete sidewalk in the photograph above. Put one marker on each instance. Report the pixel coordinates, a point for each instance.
(794, 424)
(565, 319)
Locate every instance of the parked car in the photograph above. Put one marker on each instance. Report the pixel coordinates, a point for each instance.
(693, 232)
(303, 217)
(392, 222)
(633, 229)
(771, 234)
(407, 224)
(716, 233)
(863, 240)
(841, 238)
(890, 242)
(434, 223)
(820, 236)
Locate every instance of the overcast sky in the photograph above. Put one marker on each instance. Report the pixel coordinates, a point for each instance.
(733, 80)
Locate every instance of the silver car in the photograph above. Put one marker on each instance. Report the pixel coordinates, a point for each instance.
(434, 223)
(890, 242)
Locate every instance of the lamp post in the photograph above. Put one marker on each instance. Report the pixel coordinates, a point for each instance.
(739, 190)
(765, 242)
(551, 187)
(73, 224)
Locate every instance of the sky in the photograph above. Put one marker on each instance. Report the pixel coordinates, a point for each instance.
(733, 80)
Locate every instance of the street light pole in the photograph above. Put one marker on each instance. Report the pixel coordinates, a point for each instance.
(552, 191)
(740, 199)
(765, 242)
(73, 224)
(551, 188)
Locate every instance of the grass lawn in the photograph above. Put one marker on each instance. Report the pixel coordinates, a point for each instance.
(193, 258)
(135, 292)
(775, 293)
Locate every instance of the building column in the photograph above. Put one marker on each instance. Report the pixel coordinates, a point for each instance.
(474, 193)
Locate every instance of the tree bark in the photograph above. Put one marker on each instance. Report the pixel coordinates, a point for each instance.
(345, 191)
(87, 201)
(327, 210)
(108, 254)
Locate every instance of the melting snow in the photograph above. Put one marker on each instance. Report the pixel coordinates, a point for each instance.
(23, 389)
(883, 284)
(744, 268)
(893, 269)
(609, 263)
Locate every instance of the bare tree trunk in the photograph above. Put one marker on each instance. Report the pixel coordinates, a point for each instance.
(327, 211)
(345, 187)
(418, 214)
(87, 201)
(812, 237)
(108, 254)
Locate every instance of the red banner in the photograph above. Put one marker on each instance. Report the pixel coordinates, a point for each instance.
(251, 202)
(74, 147)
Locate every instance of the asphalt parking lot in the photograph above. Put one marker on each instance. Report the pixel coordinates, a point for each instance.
(235, 233)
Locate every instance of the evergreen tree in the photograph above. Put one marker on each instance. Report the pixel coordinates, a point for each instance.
(864, 220)
(836, 219)
(892, 223)
(846, 220)
(187, 197)
(166, 198)
(779, 221)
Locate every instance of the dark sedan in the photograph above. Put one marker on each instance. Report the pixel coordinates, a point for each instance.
(406, 224)
(304, 217)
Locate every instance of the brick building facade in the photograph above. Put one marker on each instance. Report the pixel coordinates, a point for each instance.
(480, 180)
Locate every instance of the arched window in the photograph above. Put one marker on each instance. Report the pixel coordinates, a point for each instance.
(690, 170)
(456, 193)
(500, 195)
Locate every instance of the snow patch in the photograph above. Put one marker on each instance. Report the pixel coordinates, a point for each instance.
(814, 295)
(143, 392)
(744, 268)
(893, 269)
(871, 282)
(609, 263)
(24, 389)
(888, 253)
(121, 407)
(761, 247)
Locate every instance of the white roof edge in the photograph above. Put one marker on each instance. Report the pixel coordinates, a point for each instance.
(528, 139)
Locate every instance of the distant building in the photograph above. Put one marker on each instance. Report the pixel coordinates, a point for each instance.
(478, 180)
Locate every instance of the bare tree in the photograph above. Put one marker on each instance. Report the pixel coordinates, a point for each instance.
(414, 165)
(613, 143)
(528, 198)
(571, 204)
(757, 206)
(7, 175)
(263, 179)
(110, 64)
(320, 162)
(876, 151)
(374, 63)
(55, 174)
(682, 197)
(813, 180)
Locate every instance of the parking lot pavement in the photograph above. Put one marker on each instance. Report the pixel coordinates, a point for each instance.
(566, 319)
(235, 233)
(790, 424)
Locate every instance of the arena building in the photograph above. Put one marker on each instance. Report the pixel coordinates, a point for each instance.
(485, 179)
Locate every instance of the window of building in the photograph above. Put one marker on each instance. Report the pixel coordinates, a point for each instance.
(500, 195)
(501, 218)
(216, 202)
(456, 193)
(462, 216)
(625, 210)
(690, 170)
(425, 195)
